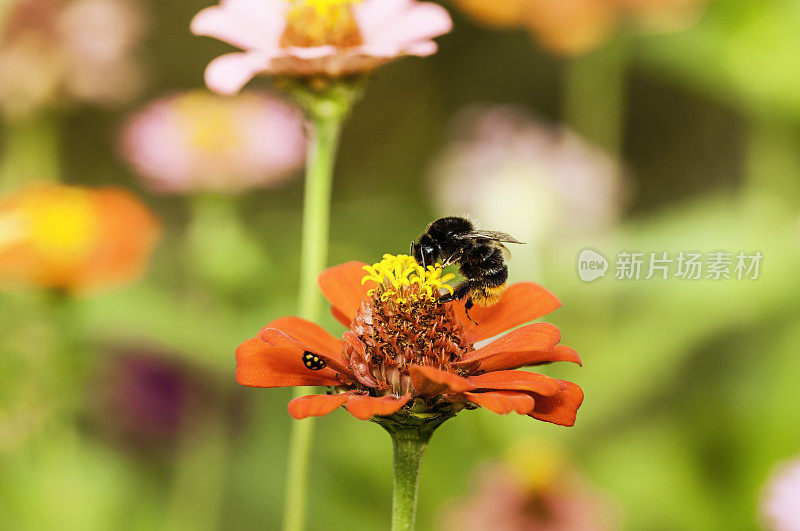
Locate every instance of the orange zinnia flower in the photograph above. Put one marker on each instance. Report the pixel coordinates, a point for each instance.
(405, 353)
(74, 239)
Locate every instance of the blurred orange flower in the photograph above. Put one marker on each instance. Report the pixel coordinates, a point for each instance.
(577, 26)
(74, 239)
(571, 26)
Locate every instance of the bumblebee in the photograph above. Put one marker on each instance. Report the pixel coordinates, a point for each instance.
(480, 254)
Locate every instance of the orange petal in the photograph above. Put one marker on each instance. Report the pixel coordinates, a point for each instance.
(339, 316)
(559, 409)
(314, 337)
(521, 303)
(515, 360)
(279, 338)
(531, 338)
(429, 381)
(518, 381)
(316, 405)
(261, 365)
(503, 402)
(365, 407)
(341, 285)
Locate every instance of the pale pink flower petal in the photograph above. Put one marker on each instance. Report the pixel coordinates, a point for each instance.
(243, 23)
(228, 73)
(402, 25)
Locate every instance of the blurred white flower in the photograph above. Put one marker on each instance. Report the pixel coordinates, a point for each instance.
(56, 51)
(780, 504)
(520, 176)
(200, 142)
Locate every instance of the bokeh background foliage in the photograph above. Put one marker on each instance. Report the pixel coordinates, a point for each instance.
(691, 386)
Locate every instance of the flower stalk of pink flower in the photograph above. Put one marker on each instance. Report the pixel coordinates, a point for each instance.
(320, 50)
(326, 111)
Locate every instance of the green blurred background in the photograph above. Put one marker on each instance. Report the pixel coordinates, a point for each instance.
(691, 386)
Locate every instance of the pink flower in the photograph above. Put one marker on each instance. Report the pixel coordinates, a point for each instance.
(304, 38)
(53, 51)
(536, 488)
(780, 505)
(196, 142)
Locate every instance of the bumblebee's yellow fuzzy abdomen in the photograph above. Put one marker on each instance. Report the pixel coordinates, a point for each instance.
(488, 296)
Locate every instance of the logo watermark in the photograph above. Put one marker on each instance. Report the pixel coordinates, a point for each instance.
(591, 265)
(684, 265)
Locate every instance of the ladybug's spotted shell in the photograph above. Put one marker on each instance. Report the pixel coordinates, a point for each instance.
(313, 362)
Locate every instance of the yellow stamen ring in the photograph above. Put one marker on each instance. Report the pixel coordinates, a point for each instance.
(394, 274)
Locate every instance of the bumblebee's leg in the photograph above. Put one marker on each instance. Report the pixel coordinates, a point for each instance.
(461, 291)
(447, 297)
(469, 304)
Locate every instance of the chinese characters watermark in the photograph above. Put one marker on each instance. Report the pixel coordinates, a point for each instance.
(684, 265)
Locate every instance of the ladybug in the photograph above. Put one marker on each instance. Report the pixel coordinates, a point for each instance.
(313, 362)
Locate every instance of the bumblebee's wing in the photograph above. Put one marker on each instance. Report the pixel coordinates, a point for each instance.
(494, 236)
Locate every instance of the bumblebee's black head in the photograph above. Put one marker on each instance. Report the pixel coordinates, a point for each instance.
(441, 240)
(425, 251)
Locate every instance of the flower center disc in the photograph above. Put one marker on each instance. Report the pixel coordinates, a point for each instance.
(312, 23)
(209, 123)
(402, 323)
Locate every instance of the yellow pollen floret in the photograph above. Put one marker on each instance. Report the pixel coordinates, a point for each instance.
(323, 7)
(396, 275)
(209, 123)
(312, 23)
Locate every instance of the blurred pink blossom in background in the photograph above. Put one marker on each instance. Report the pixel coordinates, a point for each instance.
(536, 488)
(536, 181)
(780, 504)
(199, 142)
(302, 38)
(56, 51)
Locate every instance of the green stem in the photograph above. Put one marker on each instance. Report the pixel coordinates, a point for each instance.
(216, 224)
(594, 95)
(408, 447)
(324, 131)
(30, 152)
(326, 112)
(68, 352)
(200, 467)
(67, 368)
